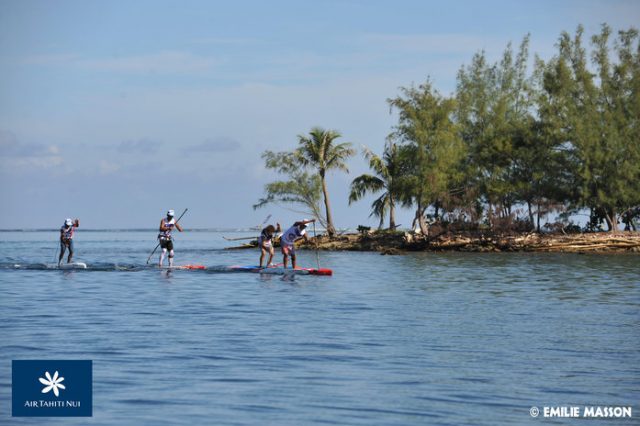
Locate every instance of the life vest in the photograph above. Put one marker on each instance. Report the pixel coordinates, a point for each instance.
(67, 233)
(169, 224)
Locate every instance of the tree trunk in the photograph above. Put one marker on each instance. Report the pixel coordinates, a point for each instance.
(612, 220)
(392, 214)
(530, 214)
(607, 220)
(331, 230)
(424, 229)
(490, 215)
(538, 218)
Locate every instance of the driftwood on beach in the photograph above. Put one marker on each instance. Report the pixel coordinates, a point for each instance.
(390, 243)
(399, 242)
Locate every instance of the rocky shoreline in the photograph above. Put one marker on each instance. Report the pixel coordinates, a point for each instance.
(403, 242)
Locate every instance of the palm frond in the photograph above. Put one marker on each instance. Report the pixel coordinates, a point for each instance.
(376, 163)
(363, 184)
(380, 206)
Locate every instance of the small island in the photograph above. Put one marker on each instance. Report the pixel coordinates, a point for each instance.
(513, 160)
(398, 242)
(404, 242)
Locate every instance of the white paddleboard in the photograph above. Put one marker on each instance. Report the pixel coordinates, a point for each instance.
(73, 265)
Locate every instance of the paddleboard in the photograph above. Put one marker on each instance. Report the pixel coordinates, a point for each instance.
(73, 265)
(279, 270)
(184, 267)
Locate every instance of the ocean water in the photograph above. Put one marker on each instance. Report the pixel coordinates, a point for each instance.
(424, 338)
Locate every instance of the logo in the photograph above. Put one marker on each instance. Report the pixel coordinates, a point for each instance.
(37, 393)
(52, 383)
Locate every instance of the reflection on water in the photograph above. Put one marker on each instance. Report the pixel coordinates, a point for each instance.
(451, 338)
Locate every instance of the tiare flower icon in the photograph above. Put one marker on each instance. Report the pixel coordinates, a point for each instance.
(52, 383)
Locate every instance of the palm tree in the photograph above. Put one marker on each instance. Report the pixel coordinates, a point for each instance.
(386, 170)
(317, 150)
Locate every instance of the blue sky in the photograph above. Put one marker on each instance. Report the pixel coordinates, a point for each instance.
(116, 111)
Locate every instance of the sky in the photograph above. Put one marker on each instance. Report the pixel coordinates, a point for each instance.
(116, 111)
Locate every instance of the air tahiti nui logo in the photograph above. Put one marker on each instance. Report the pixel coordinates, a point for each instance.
(38, 393)
(52, 383)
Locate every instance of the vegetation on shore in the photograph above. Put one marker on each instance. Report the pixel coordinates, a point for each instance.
(396, 242)
(403, 242)
(317, 152)
(505, 151)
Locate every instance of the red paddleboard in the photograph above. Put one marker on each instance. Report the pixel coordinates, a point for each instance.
(312, 271)
(194, 267)
(185, 267)
(280, 270)
(321, 271)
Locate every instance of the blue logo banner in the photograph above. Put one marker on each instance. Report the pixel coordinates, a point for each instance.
(52, 388)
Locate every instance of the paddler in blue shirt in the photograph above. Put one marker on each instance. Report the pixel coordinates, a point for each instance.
(288, 239)
(265, 242)
(166, 241)
(66, 238)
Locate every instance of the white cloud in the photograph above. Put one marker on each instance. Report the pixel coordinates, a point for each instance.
(54, 59)
(215, 145)
(166, 62)
(108, 168)
(22, 165)
(10, 146)
(142, 146)
(224, 41)
(434, 43)
(18, 157)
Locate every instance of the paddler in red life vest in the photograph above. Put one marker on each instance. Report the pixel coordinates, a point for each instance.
(166, 242)
(265, 242)
(66, 238)
(288, 239)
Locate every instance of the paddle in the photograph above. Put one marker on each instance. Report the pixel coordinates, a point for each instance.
(154, 250)
(55, 256)
(239, 239)
(315, 238)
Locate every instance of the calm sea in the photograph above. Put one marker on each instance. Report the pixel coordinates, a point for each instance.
(392, 340)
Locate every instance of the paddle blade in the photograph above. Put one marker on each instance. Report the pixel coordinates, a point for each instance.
(194, 267)
(321, 271)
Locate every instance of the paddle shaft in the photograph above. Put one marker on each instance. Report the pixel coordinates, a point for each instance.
(154, 250)
(239, 239)
(315, 237)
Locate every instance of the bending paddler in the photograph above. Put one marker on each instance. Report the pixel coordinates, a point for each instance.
(265, 242)
(288, 239)
(66, 238)
(166, 241)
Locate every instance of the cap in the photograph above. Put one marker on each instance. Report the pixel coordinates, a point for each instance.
(68, 222)
(170, 213)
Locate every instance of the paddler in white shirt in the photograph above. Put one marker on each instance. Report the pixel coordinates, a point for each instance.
(288, 239)
(166, 241)
(265, 242)
(66, 238)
